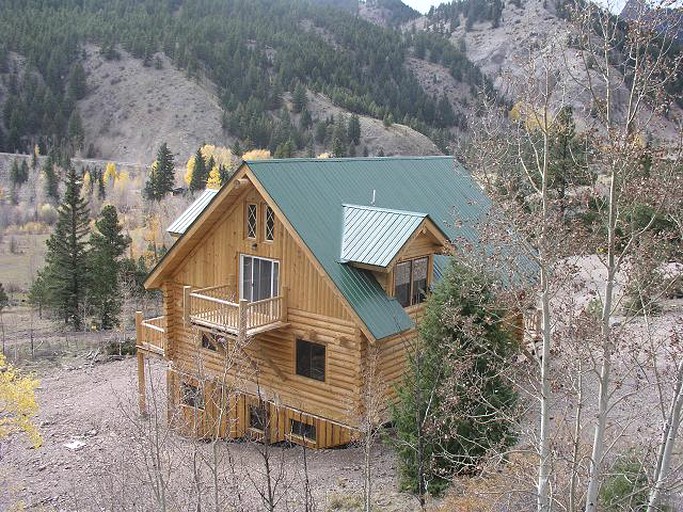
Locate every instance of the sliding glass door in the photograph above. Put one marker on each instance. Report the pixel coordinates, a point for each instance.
(259, 278)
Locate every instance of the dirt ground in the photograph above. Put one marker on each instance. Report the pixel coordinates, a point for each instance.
(90, 429)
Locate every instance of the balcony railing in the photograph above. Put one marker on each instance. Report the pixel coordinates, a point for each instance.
(151, 333)
(216, 308)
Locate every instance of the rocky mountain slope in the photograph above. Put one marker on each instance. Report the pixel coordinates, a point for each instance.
(130, 109)
(530, 40)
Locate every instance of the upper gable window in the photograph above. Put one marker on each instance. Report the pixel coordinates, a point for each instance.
(252, 217)
(410, 281)
(269, 224)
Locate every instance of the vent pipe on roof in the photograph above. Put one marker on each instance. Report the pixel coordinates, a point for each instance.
(372, 203)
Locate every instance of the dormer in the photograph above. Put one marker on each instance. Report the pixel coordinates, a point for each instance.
(397, 246)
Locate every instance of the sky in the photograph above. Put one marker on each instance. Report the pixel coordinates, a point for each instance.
(424, 5)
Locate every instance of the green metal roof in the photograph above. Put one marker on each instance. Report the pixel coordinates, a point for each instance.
(373, 236)
(311, 194)
(180, 225)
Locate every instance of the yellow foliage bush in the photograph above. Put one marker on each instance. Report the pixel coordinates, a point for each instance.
(18, 404)
(256, 154)
(214, 180)
(189, 171)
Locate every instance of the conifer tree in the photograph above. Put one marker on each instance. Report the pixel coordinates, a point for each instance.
(162, 175)
(107, 247)
(66, 272)
(200, 172)
(454, 404)
(51, 180)
(299, 99)
(340, 137)
(354, 129)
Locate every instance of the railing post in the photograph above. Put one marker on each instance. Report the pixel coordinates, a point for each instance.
(243, 313)
(186, 304)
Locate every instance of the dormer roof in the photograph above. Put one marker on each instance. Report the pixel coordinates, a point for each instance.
(374, 236)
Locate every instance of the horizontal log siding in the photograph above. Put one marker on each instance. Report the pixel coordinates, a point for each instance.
(392, 362)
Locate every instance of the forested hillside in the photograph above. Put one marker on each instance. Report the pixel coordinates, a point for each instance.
(254, 51)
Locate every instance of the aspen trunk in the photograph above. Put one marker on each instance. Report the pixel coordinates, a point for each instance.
(673, 423)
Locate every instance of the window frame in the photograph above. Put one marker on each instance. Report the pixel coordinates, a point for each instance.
(415, 297)
(319, 375)
(268, 224)
(192, 395)
(303, 430)
(211, 341)
(274, 276)
(251, 231)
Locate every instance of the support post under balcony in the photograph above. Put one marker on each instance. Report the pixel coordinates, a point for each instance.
(142, 398)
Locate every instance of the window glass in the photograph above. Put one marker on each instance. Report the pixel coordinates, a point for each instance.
(402, 283)
(410, 281)
(208, 341)
(260, 278)
(420, 267)
(310, 360)
(301, 429)
(191, 395)
(263, 275)
(258, 418)
(247, 277)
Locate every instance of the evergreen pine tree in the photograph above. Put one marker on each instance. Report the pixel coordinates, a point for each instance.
(66, 272)
(161, 176)
(107, 245)
(354, 129)
(340, 137)
(51, 179)
(4, 300)
(455, 405)
(200, 172)
(76, 131)
(299, 99)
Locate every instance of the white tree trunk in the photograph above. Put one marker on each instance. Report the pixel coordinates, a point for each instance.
(673, 423)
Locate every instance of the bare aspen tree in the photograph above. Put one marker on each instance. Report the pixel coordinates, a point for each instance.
(623, 108)
(372, 405)
(622, 73)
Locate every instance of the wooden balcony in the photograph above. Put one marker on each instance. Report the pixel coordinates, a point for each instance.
(151, 334)
(215, 308)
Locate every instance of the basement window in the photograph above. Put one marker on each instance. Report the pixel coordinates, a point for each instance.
(310, 360)
(209, 341)
(258, 416)
(301, 429)
(410, 281)
(252, 214)
(191, 395)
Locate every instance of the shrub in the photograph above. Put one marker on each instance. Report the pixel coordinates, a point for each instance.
(626, 487)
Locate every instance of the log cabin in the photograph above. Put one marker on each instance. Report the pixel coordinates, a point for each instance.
(294, 284)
